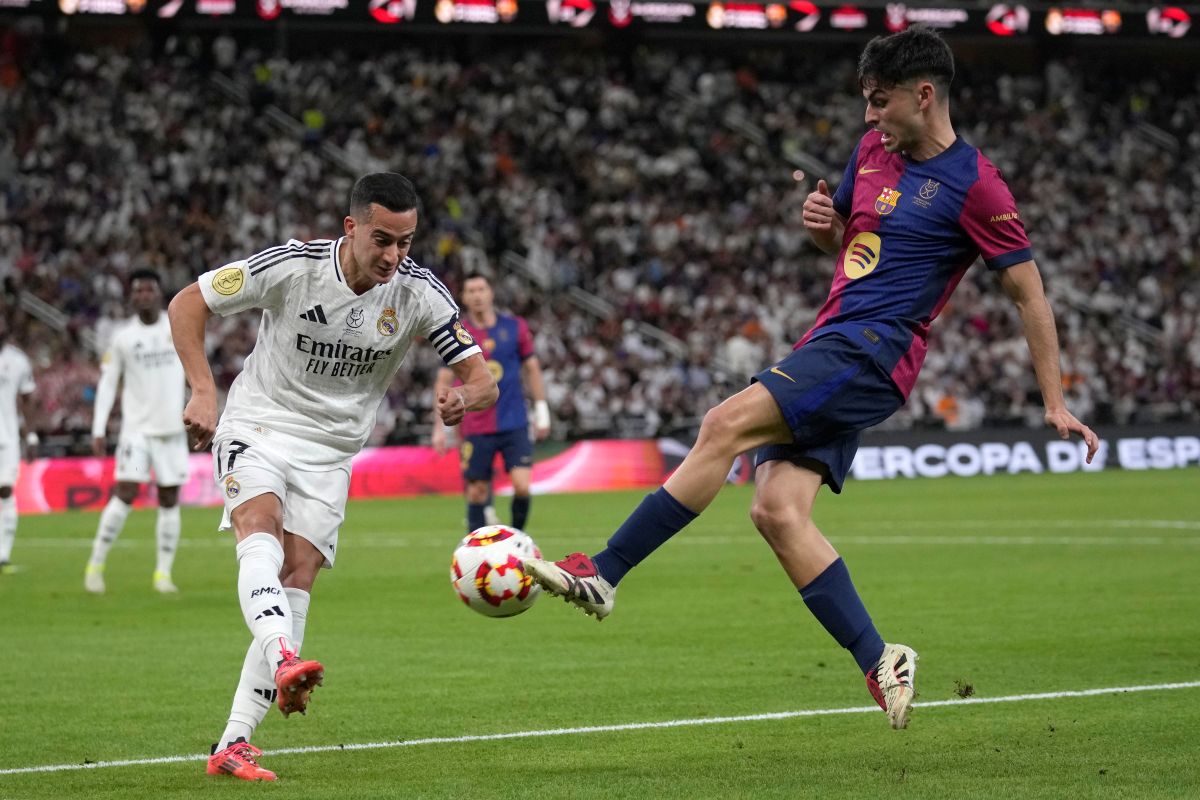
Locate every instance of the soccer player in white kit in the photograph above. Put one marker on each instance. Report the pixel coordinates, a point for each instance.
(142, 357)
(338, 318)
(16, 435)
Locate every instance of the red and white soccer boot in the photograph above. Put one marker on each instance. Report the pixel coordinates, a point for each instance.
(295, 679)
(891, 682)
(576, 580)
(240, 760)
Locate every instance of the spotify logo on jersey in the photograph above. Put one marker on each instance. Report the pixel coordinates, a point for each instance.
(862, 256)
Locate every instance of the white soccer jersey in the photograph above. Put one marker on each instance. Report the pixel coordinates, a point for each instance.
(16, 377)
(152, 396)
(324, 355)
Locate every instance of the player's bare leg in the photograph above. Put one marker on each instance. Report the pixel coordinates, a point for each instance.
(782, 512)
(749, 419)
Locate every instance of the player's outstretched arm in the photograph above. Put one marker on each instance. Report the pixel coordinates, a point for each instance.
(477, 392)
(824, 225)
(1023, 284)
(189, 315)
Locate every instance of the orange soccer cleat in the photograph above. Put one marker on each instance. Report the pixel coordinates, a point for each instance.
(295, 679)
(239, 760)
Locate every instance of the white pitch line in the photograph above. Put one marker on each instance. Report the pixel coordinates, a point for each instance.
(629, 726)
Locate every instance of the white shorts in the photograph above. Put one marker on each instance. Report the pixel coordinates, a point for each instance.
(167, 455)
(314, 498)
(10, 462)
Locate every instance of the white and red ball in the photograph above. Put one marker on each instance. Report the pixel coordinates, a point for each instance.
(487, 571)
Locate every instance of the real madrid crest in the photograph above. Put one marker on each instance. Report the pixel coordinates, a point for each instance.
(887, 200)
(461, 333)
(387, 323)
(232, 487)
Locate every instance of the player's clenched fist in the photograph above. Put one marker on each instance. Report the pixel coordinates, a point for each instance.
(200, 420)
(451, 406)
(818, 208)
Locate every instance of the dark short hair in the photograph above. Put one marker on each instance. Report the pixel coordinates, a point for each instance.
(472, 276)
(145, 275)
(391, 190)
(912, 54)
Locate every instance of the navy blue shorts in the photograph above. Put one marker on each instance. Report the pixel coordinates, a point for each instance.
(479, 452)
(829, 391)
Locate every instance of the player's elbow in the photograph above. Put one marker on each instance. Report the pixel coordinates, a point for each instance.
(180, 305)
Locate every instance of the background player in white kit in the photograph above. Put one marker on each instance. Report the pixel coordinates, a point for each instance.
(338, 319)
(16, 435)
(142, 357)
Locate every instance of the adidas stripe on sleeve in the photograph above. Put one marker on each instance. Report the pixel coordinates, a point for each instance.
(447, 335)
(453, 342)
(258, 281)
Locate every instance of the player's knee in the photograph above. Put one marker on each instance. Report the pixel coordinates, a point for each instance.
(766, 517)
(126, 492)
(299, 576)
(5, 492)
(719, 428)
(477, 492)
(168, 497)
(258, 522)
(776, 519)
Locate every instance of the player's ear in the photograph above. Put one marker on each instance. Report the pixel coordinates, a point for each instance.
(348, 225)
(927, 94)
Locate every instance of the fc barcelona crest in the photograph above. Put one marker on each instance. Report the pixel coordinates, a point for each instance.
(887, 200)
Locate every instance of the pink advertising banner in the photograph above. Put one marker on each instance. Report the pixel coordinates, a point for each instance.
(60, 484)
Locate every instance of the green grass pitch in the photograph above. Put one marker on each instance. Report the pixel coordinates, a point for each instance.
(1006, 586)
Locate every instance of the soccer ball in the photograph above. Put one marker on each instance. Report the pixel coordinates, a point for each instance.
(486, 571)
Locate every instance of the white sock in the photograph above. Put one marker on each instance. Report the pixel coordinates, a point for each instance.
(264, 605)
(8, 526)
(299, 600)
(166, 534)
(256, 689)
(112, 521)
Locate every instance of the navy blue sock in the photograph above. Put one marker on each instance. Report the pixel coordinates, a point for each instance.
(833, 600)
(475, 519)
(659, 517)
(520, 511)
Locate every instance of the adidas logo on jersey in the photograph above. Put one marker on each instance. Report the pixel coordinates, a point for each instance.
(315, 314)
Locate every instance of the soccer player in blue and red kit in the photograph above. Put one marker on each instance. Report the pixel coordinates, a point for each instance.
(504, 428)
(916, 207)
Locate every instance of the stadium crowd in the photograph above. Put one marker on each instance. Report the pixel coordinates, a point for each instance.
(659, 181)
